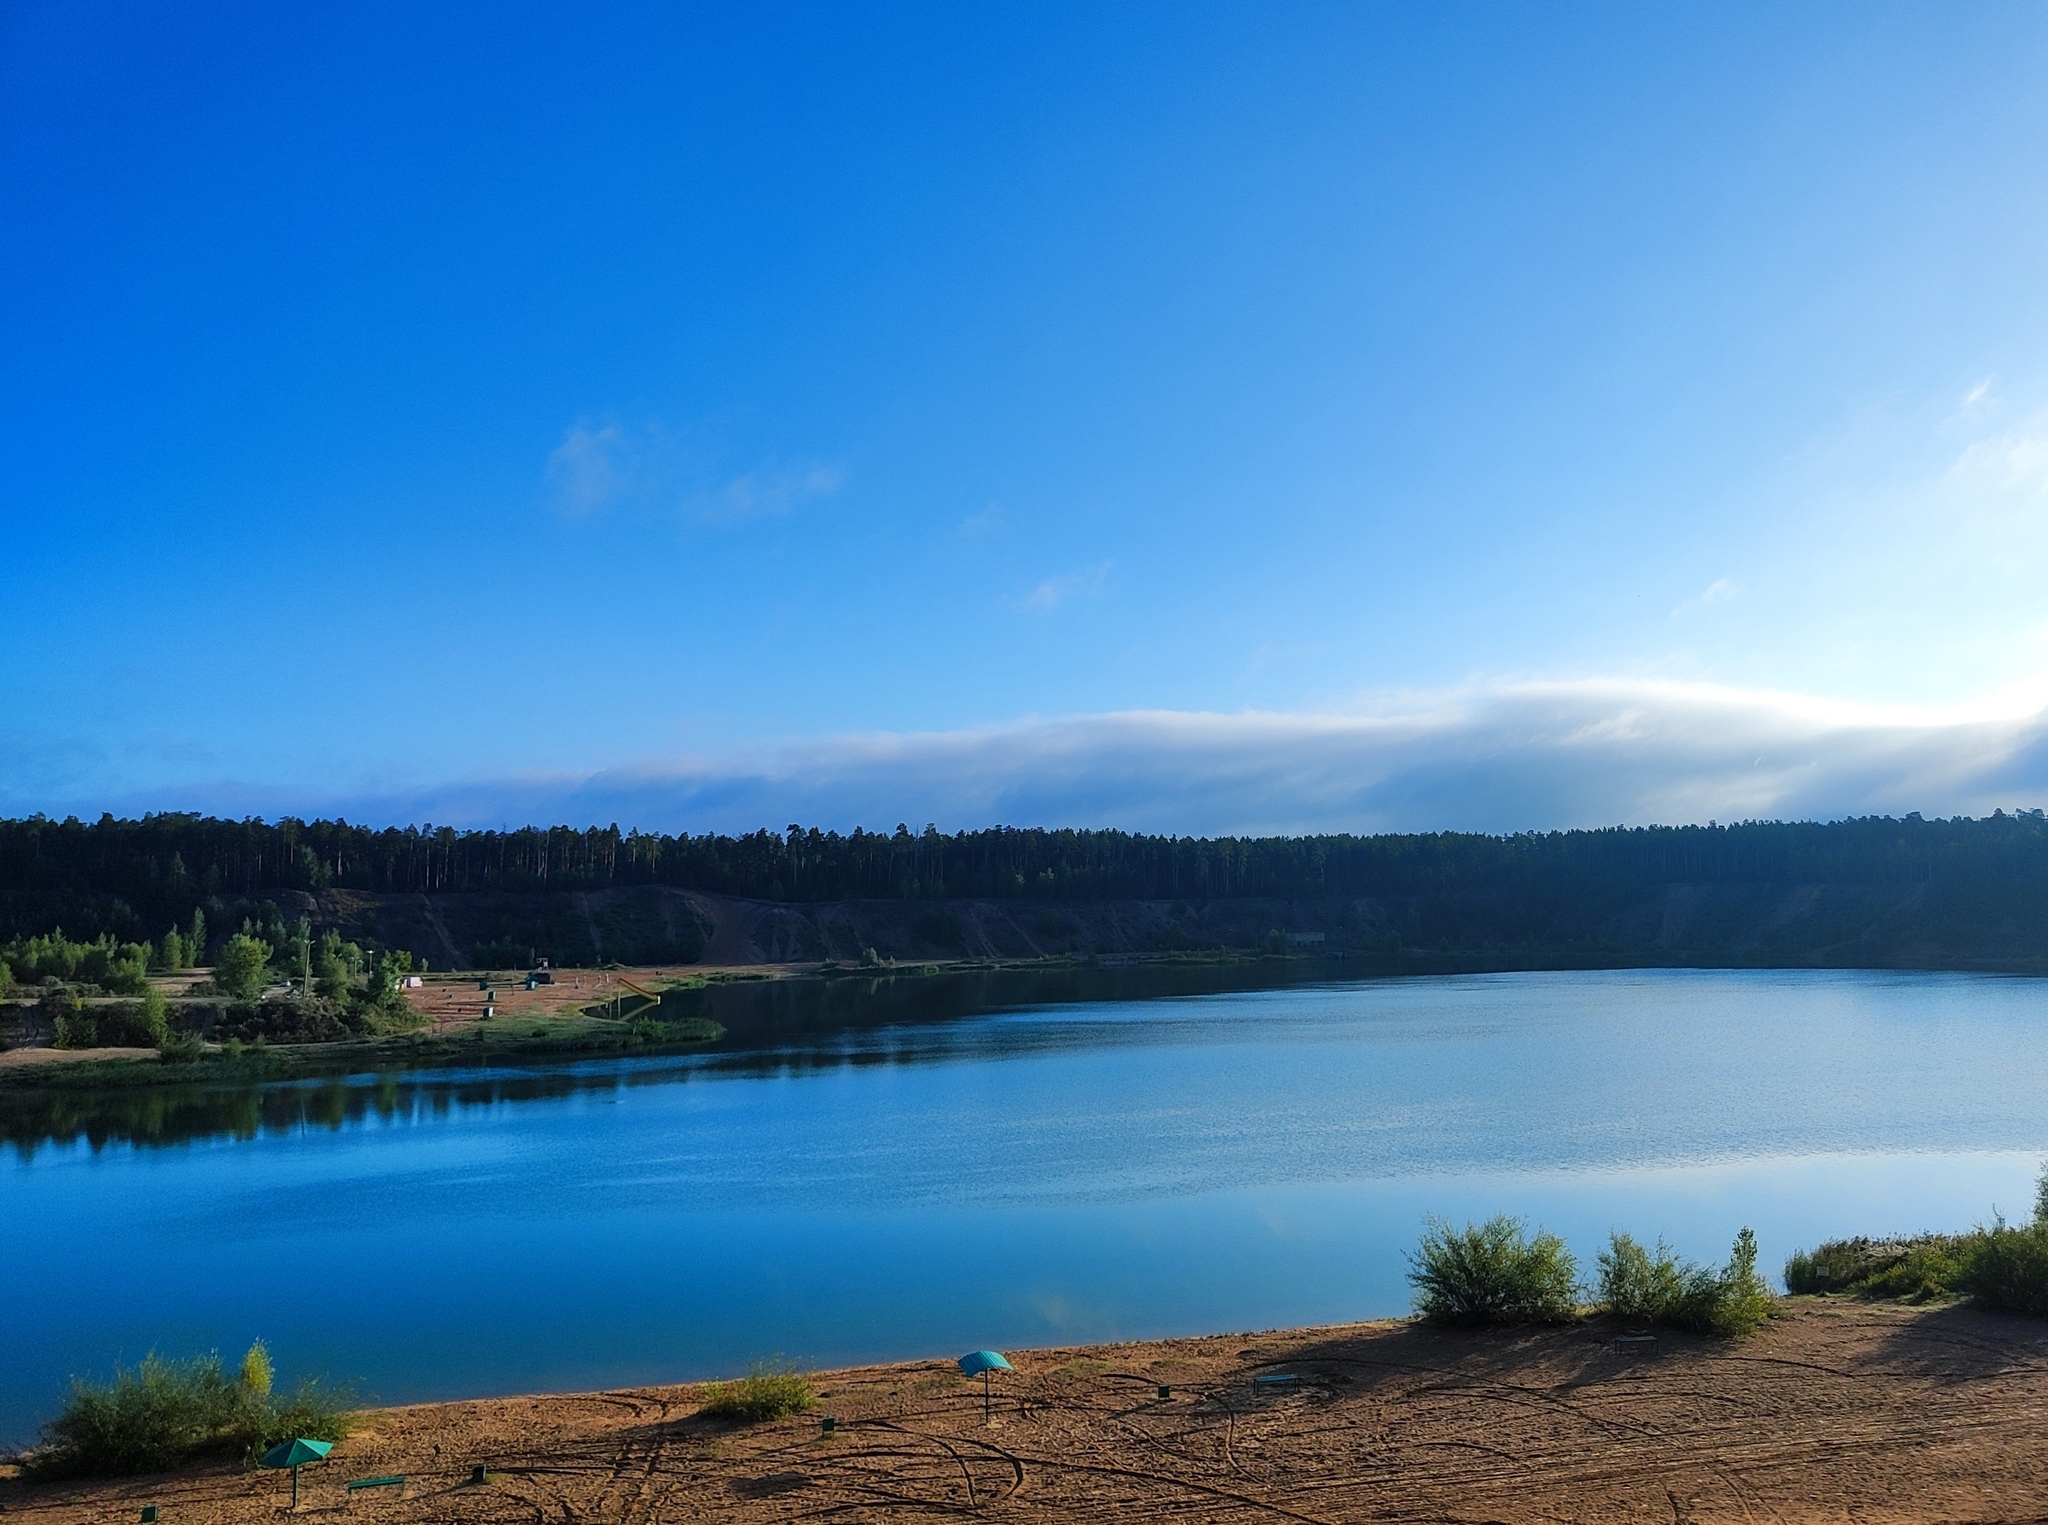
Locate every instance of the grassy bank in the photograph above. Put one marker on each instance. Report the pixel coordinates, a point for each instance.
(2002, 1269)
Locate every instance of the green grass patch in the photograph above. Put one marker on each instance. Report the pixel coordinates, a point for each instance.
(767, 1392)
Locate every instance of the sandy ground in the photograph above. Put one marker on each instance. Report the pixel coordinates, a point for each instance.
(1840, 1411)
(452, 1002)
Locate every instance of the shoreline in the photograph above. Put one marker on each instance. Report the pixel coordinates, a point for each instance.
(451, 1037)
(1839, 1408)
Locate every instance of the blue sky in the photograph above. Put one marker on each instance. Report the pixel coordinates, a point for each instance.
(1234, 418)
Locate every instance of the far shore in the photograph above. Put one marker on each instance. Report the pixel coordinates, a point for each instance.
(1840, 1409)
(562, 1019)
(567, 1019)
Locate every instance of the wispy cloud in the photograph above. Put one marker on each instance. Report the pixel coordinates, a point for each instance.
(1090, 582)
(599, 465)
(1490, 757)
(986, 525)
(768, 493)
(587, 470)
(2014, 464)
(1719, 591)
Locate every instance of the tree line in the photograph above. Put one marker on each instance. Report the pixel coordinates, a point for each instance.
(118, 876)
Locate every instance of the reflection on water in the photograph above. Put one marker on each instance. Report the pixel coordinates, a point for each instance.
(932, 1166)
(772, 1027)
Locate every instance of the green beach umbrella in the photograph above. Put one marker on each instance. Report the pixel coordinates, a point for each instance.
(984, 1362)
(295, 1454)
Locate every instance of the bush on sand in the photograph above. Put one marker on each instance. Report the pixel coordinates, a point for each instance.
(1656, 1285)
(768, 1392)
(164, 1413)
(1493, 1273)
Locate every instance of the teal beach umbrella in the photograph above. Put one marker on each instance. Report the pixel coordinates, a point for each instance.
(295, 1454)
(984, 1362)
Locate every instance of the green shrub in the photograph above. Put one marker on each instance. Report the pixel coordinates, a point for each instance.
(2006, 1269)
(1840, 1264)
(1731, 1302)
(257, 1374)
(163, 1414)
(1930, 1270)
(311, 1410)
(768, 1392)
(1638, 1283)
(1920, 1268)
(1657, 1285)
(180, 1048)
(1493, 1273)
(297, 1020)
(140, 1024)
(72, 1023)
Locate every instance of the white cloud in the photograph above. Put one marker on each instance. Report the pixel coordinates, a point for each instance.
(1491, 757)
(1091, 582)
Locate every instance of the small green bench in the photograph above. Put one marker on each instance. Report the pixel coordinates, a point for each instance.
(376, 1482)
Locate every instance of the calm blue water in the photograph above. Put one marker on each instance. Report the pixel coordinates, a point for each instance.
(1051, 1174)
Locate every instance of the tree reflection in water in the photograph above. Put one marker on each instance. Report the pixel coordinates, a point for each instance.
(773, 1027)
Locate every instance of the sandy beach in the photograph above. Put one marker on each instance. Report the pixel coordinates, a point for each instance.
(1840, 1410)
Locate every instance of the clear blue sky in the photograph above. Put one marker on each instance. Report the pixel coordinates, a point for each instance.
(724, 416)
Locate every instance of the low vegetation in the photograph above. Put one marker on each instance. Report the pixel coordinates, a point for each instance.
(1493, 1273)
(767, 1392)
(1497, 1272)
(126, 1024)
(1655, 1286)
(651, 1030)
(165, 1413)
(2002, 1268)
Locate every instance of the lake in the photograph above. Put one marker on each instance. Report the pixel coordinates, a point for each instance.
(917, 1169)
